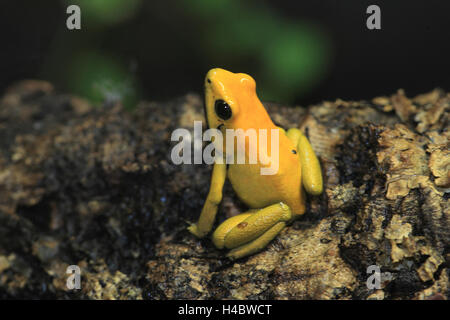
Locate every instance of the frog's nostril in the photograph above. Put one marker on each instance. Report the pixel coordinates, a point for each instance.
(209, 81)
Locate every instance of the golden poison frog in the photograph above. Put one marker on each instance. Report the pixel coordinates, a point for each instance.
(274, 200)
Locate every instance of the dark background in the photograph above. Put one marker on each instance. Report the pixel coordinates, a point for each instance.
(299, 52)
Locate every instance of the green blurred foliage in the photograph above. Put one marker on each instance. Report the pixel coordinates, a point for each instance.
(104, 13)
(102, 79)
(287, 58)
(95, 74)
(291, 56)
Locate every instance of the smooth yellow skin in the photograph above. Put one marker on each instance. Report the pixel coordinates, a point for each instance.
(274, 200)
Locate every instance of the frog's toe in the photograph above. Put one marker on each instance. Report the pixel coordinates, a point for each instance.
(193, 228)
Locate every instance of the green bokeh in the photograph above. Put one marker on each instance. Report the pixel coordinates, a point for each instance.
(291, 57)
(294, 62)
(288, 58)
(102, 79)
(106, 12)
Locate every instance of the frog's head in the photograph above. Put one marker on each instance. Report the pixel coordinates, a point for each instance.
(231, 101)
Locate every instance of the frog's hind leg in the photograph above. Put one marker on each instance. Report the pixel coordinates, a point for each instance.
(257, 244)
(311, 172)
(248, 233)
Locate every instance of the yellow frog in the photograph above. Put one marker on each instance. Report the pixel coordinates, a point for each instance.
(274, 200)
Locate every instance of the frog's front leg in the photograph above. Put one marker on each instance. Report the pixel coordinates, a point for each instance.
(209, 211)
(250, 232)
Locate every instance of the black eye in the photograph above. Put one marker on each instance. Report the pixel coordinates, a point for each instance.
(223, 110)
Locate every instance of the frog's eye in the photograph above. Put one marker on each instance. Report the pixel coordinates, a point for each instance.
(223, 109)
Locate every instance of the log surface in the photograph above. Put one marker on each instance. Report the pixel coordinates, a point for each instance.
(95, 187)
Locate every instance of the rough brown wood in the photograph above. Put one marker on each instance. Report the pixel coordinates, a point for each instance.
(96, 187)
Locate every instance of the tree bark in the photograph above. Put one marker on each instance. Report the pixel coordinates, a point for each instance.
(95, 187)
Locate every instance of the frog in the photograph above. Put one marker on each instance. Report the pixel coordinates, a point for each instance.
(274, 200)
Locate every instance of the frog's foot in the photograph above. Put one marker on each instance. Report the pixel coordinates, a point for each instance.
(193, 228)
(248, 233)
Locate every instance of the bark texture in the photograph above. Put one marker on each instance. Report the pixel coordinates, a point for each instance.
(96, 187)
